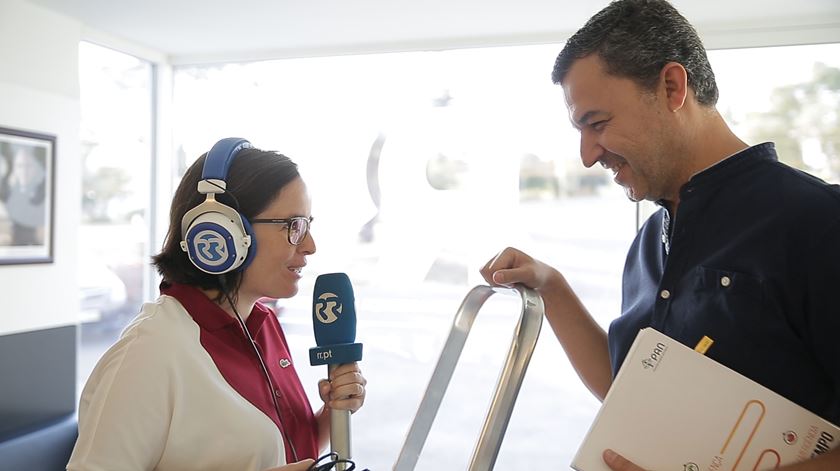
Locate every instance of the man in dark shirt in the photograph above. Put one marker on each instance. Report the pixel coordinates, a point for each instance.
(744, 249)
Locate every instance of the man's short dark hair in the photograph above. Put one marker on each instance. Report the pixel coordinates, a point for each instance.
(635, 39)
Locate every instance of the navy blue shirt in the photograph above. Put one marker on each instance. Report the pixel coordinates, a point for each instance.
(752, 260)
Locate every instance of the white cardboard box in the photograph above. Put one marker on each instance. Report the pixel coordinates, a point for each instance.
(672, 408)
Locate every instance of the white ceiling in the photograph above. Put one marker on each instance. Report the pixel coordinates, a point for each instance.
(195, 31)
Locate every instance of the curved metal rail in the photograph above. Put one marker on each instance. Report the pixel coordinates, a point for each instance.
(507, 387)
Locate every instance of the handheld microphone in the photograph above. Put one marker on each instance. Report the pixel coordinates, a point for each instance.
(334, 322)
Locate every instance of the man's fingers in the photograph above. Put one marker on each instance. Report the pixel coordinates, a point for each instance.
(493, 271)
(617, 462)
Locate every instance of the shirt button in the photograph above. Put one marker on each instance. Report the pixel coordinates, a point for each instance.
(277, 392)
(725, 281)
(665, 294)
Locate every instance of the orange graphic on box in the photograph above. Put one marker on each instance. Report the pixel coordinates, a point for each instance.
(759, 406)
(768, 451)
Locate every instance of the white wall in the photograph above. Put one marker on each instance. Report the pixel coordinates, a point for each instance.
(39, 91)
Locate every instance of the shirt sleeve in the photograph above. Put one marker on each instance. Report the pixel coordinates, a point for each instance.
(125, 409)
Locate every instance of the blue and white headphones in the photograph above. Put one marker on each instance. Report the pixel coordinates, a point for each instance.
(215, 236)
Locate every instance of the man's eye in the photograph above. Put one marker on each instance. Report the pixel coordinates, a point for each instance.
(598, 125)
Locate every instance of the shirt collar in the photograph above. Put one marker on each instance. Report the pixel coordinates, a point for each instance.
(732, 165)
(206, 313)
(715, 175)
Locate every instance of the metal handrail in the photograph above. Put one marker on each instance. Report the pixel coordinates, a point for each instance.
(507, 387)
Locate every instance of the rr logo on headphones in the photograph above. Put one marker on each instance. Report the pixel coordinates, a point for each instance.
(328, 308)
(210, 247)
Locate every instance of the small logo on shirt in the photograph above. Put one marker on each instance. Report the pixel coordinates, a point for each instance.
(284, 363)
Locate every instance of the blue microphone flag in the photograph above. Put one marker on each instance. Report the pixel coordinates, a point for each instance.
(334, 321)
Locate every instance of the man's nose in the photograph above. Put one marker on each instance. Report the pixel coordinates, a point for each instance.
(590, 150)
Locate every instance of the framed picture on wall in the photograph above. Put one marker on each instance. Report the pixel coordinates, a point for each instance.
(27, 174)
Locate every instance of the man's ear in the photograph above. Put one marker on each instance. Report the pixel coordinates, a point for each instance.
(675, 79)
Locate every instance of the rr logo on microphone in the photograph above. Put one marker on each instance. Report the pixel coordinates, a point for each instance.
(328, 308)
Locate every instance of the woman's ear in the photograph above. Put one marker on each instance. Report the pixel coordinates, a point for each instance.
(675, 80)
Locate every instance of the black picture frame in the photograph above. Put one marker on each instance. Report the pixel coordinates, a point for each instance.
(27, 196)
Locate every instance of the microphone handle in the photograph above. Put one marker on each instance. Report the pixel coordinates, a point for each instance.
(340, 431)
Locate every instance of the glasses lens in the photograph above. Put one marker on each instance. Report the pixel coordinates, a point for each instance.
(298, 228)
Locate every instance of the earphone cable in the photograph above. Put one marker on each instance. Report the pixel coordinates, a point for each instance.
(262, 366)
(328, 461)
(226, 192)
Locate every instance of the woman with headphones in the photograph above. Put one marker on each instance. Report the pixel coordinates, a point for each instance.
(202, 378)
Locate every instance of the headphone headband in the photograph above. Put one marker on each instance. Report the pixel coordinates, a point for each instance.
(220, 156)
(215, 236)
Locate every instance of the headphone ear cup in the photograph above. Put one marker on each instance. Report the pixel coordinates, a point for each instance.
(216, 244)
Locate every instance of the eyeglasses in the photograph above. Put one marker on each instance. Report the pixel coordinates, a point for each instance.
(298, 227)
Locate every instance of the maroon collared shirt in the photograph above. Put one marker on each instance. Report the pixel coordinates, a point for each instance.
(223, 339)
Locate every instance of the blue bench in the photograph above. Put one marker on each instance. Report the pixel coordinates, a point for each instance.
(38, 425)
(46, 447)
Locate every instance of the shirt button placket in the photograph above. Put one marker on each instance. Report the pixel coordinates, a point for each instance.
(660, 310)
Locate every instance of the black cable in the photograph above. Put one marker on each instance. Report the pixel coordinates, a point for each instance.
(333, 460)
(332, 456)
(224, 191)
(226, 293)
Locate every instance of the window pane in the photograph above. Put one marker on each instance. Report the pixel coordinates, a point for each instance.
(422, 166)
(113, 234)
(788, 95)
